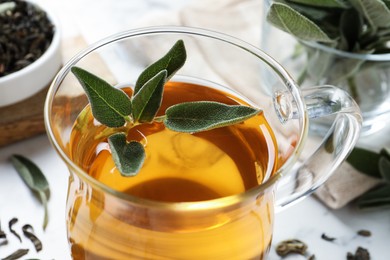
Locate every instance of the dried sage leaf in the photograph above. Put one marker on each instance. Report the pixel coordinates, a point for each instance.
(128, 157)
(28, 231)
(34, 179)
(360, 254)
(192, 117)
(10, 224)
(17, 254)
(110, 106)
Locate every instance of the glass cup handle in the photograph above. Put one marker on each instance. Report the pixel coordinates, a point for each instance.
(307, 175)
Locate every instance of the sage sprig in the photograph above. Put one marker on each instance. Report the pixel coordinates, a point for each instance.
(34, 179)
(354, 26)
(376, 165)
(113, 108)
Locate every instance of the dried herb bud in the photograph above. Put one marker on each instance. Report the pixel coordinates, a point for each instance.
(10, 224)
(360, 254)
(327, 238)
(28, 231)
(291, 246)
(17, 254)
(364, 233)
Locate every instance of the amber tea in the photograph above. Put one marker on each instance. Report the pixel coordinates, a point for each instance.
(179, 167)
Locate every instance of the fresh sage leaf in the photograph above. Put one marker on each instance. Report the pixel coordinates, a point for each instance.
(324, 3)
(128, 157)
(377, 198)
(291, 21)
(375, 11)
(365, 161)
(384, 168)
(148, 99)
(110, 106)
(171, 62)
(351, 28)
(34, 179)
(192, 117)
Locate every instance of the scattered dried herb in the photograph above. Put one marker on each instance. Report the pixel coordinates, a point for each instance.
(28, 231)
(364, 233)
(25, 34)
(291, 246)
(312, 257)
(10, 224)
(17, 254)
(360, 254)
(34, 179)
(327, 238)
(113, 108)
(2, 233)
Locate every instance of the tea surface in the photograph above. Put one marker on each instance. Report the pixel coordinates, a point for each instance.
(178, 168)
(182, 167)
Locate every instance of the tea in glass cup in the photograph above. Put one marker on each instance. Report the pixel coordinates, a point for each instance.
(205, 195)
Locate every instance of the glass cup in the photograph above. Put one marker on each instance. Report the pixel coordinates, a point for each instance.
(365, 76)
(105, 223)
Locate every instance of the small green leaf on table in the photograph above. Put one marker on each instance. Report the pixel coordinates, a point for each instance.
(34, 179)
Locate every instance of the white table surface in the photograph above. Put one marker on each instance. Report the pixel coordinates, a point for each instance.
(307, 220)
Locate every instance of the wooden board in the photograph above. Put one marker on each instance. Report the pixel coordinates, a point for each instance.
(25, 119)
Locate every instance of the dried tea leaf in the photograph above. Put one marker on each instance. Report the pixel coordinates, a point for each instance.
(28, 231)
(327, 238)
(360, 254)
(192, 117)
(291, 246)
(128, 157)
(17, 254)
(10, 224)
(2, 233)
(364, 233)
(34, 179)
(110, 106)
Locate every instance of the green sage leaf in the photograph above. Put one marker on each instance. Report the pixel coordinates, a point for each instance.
(384, 168)
(377, 198)
(34, 179)
(110, 106)
(199, 116)
(171, 62)
(323, 3)
(148, 99)
(128, 157)
(375, 11)
(291, 21)
(351, 28)
(365, 161)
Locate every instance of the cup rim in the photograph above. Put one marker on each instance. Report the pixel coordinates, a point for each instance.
(180, 206)
(346, 54)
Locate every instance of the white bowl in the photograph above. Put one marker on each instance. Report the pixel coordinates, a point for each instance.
(28, 81)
